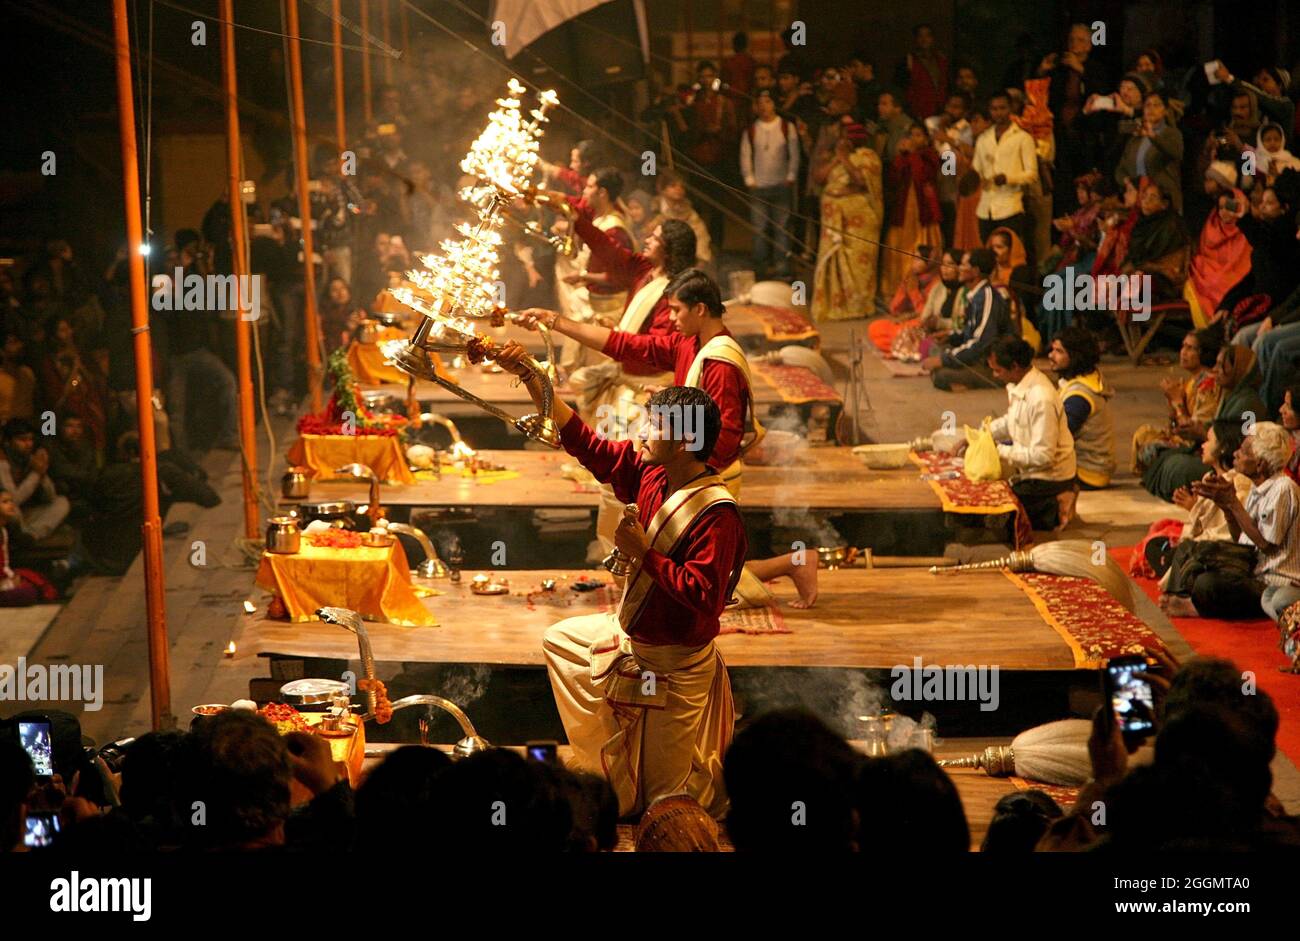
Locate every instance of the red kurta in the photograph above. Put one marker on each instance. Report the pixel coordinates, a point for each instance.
(676, 351)
(692, 584)
(629, 269)
(608, 262)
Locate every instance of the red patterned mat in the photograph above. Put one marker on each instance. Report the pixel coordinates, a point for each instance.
(1087, 616)
(765, 620)
(1065, 797)
(795, 384)
(960, 495)
(780, 324)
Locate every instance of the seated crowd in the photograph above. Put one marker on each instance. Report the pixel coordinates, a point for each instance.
(1203, 784)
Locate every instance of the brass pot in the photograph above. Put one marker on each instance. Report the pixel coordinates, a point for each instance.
(296, 483)
(283, 535)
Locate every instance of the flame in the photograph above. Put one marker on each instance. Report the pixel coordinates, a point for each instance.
(460, 451)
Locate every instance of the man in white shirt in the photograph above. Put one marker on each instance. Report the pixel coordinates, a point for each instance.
(1007, 163)
(1034, 439)
(769, 164)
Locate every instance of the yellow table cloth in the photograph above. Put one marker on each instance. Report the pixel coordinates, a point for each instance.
(325, 453)
(376, 583)
(369, 368)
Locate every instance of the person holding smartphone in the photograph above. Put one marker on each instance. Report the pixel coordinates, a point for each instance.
(1154, 150)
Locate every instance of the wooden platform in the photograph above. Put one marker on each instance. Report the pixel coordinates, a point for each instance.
(863, 619)
(505, 391)
(824, 479)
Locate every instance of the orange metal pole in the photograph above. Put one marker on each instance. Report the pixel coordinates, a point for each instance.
(340, 112)
(406, 36)
(239, 248)
(388, 41)
(301, 158)
(160, 693)
(367, 106)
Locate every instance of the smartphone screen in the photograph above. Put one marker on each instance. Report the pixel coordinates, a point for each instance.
(37, 742)
(541, 751)
(1131, 697)
(41, 829)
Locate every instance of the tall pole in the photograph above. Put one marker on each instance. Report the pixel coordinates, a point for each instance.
(160, 693)
(340, 113)
(239, 248)
(367, 109)
(301, 158)
(388, 42)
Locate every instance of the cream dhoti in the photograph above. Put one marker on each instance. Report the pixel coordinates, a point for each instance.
(652, 719)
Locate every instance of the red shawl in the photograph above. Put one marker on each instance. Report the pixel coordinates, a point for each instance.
(1222, 258)
(920, 169)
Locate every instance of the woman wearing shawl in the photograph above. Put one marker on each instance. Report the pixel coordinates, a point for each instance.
(910, 299)
(852, 204)
(1236, 376)
(915, 213)
(1223, 255)
(1193, 403)
(1158, 245)
(1011, 276)
(1117, 223)
(1271, 155)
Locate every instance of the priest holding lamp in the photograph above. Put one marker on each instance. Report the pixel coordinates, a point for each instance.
(643, 693)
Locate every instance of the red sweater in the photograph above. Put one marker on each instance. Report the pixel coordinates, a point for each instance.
(723, 381)
(609, 260)
(692, 584)
(629, 269)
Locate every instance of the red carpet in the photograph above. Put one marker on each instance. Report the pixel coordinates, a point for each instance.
(1252, 645)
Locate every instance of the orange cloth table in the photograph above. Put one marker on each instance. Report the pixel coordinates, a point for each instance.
(369, 368)
(323, 454)
(376, 583)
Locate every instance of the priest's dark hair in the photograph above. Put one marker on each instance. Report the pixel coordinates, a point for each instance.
(611, 181)
(588, 154)
(675, 403)
(692, 287)
(679, 246)
(1084, 352)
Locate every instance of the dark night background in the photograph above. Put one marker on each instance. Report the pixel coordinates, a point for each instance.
(60, 94)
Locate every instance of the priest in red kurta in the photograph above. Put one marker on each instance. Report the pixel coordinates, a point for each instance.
(644, 694)
(702, 354)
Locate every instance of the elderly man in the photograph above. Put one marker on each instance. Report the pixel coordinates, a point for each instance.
(1218, 580)
(643, 693)
(1034, 439)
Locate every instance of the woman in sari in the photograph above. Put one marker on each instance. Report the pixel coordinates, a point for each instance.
(1223, 254)
(1174, 467)
(909, 300)
(915, 215)
(1192, 403)
(852, 204)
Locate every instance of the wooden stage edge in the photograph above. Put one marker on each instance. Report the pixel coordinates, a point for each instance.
(863, 619)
